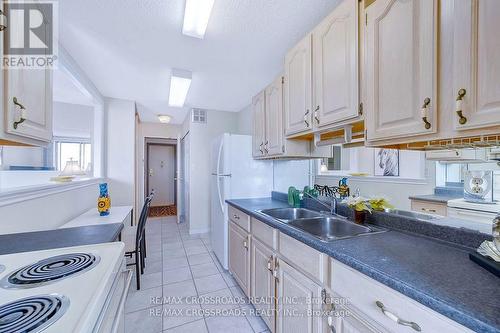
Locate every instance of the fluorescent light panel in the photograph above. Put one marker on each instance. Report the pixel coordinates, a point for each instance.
(163, 118)
(180, 81)
(196, 17)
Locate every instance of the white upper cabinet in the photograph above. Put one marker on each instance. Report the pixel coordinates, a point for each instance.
(274, 118)
(259, 124)
(401, 67)
(335, 66)
(298, 88)
(29, 94)
(476, 63)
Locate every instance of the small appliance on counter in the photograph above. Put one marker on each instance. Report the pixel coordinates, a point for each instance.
(478, 186)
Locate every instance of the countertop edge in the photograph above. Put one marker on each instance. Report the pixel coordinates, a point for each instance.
(440, 307)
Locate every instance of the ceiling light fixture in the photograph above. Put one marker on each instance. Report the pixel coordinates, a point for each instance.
(179, 87)
(163, 118)
(196, 17)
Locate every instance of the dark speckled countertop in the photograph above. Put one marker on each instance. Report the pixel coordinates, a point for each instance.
(432, 272)
(440, 198)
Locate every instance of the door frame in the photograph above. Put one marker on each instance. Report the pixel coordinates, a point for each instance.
(148, 142)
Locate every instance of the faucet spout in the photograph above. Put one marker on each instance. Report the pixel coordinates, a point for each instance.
(333, 204)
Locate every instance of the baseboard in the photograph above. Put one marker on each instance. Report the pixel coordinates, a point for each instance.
(198, 231)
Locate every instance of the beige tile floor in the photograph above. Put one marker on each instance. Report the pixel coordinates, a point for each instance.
(184, 266)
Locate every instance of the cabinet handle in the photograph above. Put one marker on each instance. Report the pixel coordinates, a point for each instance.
(265, 147)
(395, 318)
(460, 106)
(270, 263)
(260, 148)
(275, 270)
(236, 217)
(23, 113)
(425, 113)
(245, 244)
(316, 115)
(3, 20)
(305, 118)
(428, 210)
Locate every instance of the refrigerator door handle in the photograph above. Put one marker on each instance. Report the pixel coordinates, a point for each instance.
(218, 178)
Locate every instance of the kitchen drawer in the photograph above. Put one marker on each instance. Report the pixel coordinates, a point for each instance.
(264, 233)
(303, 257)
(362, 292)
(240, 218)
(429, 207)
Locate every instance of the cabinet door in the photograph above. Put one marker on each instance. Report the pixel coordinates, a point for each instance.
(335, 51)
(401, 58)
(262, 282)
(298, 297)
(239, 256)
(259, 121)
(274, 118)
(298, 88)
(476, 62)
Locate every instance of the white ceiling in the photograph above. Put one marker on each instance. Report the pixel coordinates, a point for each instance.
(67, 92)
(128, 48)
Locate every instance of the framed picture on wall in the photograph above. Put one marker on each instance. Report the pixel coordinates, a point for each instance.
(386, 162)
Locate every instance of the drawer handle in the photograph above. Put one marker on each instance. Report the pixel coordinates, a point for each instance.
(395, 318)
(245, 244)
(236, 217)
(429, 210)
(270, 263)
(425, 113)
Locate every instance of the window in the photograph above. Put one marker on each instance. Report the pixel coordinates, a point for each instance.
(76, 150)
(337, 164)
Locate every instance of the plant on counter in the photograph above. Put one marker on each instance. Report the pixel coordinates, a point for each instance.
(380, 203)
(360, 206)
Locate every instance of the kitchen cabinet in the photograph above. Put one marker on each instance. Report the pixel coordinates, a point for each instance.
(476, 63)
(401, 69)
(239, 256)
(297, 306)
(262, 281)
(259, 124)
(31, 90)
(434, 208)
(335, 66)
(274, 144)
(352, 323)
(298, 88)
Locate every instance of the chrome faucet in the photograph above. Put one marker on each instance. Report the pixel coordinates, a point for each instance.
(333, 203)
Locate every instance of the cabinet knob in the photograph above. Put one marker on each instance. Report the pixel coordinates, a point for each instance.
(395, 318)
(459, 106)
(425, 113)
(22, 118)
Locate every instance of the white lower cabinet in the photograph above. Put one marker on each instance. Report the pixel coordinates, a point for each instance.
(288, 282)
(262, 282)
(239, 256)
(298, 309)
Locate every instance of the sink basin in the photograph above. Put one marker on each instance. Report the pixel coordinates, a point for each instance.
(332, 228)
(415, 215)
(289, 214)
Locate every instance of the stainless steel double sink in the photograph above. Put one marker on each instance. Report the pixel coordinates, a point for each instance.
(325, 227)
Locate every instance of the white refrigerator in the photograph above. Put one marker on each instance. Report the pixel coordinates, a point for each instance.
(235, 175)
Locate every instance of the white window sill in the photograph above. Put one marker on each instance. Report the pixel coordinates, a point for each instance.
(14, 195)
(374, 179)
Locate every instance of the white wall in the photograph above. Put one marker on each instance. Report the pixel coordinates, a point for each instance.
(245, 121)
(200, 146)
(120, 142)
(73, 120)
(20, 156)
(295, 173)
(48, 212)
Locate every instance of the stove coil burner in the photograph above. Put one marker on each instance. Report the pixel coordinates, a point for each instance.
(32, 314)
(50, 270)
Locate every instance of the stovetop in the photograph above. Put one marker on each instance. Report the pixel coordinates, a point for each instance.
(50, 270)
(59, 290)
(32, 314)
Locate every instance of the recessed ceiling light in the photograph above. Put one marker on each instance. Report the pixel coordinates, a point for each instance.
(196, 17)
(179, 87)
(163, 118)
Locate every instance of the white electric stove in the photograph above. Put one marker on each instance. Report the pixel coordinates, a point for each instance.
(76, 289)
